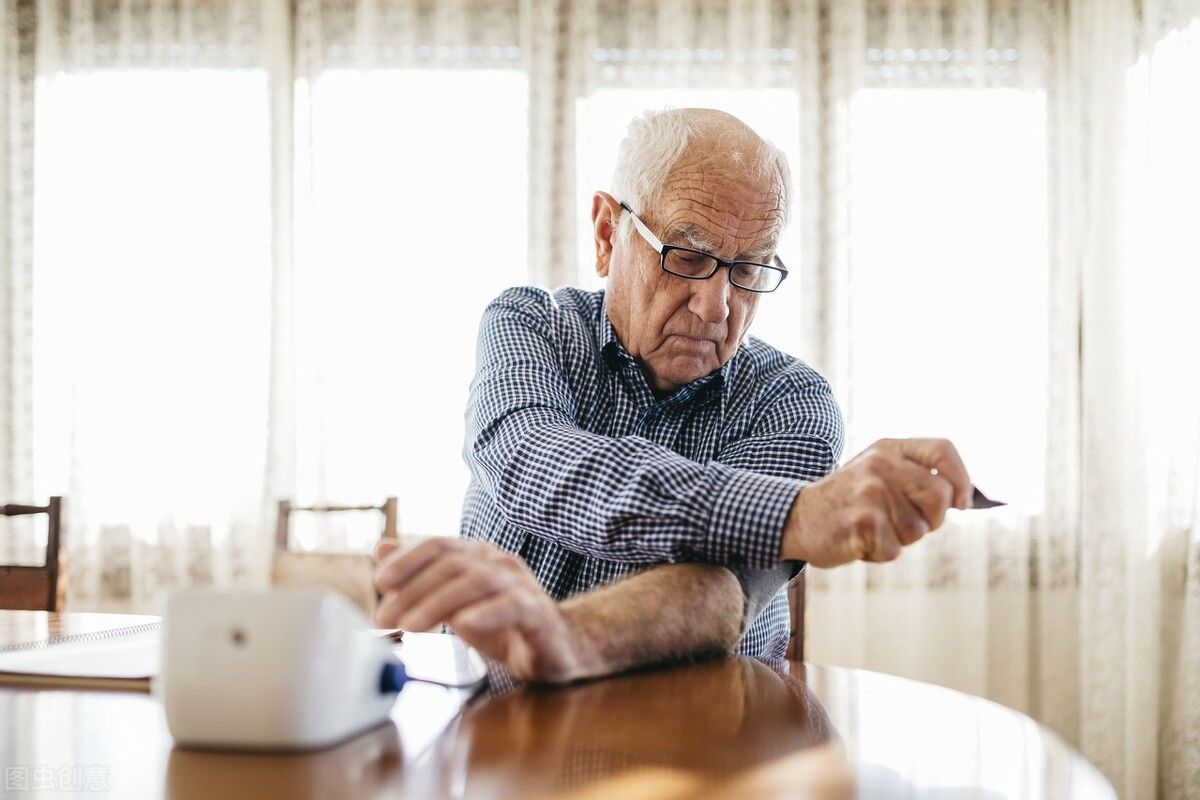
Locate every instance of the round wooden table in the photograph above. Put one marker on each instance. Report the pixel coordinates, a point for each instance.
(730, 727)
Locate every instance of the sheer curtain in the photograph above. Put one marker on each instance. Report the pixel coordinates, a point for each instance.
(17, 542)
(246, 245)
(411, 211)
(935, 238)
(1046, 222)
(138, 325)
(1169, 177)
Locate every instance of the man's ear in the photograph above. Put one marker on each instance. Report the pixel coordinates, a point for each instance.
(606, 212)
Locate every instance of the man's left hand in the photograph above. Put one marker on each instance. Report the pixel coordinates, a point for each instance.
(488, 596)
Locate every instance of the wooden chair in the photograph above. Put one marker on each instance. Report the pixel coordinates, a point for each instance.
(795, 592)
(349, 573)
(35, 588)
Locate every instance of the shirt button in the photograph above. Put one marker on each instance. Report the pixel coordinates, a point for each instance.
(612, 358)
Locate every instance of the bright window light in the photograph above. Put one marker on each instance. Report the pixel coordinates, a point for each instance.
(948, 284)
(152, 294)
(1161, 262)
(409, 223)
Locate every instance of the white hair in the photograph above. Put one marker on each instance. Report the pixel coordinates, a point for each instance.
(656, 140)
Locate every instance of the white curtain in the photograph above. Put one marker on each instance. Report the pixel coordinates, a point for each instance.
(1078, 604)
(16, 321)
(411, 208)
(994, 239)
(139, 345)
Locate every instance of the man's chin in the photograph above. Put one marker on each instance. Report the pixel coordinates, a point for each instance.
(685, 370)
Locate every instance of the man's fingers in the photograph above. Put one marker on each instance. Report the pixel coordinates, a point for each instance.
(399, 565)
(872, 533)
(941, 455)
(888, 496)
(886, 548)
(438, 578)
(449, 599)
(876, 537)
(435, 574)
(385, 547)
(879, 488)
(905, 519)
(496, 613)
(401, 569)
(387, 613)
(930, 495)
(521, 627)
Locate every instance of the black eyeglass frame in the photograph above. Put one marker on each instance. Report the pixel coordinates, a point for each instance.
(663, 249)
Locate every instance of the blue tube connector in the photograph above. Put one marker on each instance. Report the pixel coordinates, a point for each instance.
(393, 678)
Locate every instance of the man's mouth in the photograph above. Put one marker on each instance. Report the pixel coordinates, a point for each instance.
(692, 341)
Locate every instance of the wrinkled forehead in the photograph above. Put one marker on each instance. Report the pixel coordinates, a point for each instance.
(717, 197)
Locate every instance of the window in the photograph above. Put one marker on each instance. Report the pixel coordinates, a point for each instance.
(1160, 263)
(948, 284)
(152, 293)
(411, 216)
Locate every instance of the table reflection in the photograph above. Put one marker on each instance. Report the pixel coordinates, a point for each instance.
(364, 766)
(386, 761)
(915, 740)
(646, 734)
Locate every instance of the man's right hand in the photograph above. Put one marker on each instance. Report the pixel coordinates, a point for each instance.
(490, 598)
(890, 495)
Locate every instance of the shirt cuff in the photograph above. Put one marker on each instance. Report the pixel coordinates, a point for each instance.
(759, 587)
(746, 527)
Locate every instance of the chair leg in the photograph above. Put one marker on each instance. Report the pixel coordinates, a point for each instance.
(53, 544)
(281, 524)
(391, 525)
(795, 649)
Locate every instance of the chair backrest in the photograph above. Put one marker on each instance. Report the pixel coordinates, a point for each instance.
(795, 592)
(286, 509)
(348, 573)
(35, 588)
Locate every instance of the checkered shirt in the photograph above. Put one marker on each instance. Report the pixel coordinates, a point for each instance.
(578, 468)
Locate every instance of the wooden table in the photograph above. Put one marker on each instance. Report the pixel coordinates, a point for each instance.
(721, 728)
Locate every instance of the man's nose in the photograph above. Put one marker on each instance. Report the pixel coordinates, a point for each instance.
(710, 298)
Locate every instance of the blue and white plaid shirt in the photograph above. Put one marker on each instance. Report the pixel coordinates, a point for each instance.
(578, 468)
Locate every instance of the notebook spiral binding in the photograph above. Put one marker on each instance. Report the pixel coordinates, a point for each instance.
(93, 636)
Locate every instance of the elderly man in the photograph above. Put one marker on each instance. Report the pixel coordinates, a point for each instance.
(638, 430)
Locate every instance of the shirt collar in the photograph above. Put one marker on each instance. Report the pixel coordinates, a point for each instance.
(612, 352)
(616, 358)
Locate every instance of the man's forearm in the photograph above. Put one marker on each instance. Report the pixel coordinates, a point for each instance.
(666, 612)
(495, 603)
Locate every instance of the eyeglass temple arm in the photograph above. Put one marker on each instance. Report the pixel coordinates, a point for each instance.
(654, 241)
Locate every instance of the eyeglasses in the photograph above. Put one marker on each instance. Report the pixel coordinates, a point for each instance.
(696, 265)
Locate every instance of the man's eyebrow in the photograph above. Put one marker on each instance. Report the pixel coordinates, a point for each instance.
(761, 253)
(697, 239)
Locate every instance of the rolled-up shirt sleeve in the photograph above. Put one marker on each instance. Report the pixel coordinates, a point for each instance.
(798, 436)
(626, 498)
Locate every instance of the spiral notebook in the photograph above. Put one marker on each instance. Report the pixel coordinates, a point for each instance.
(118, 658)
